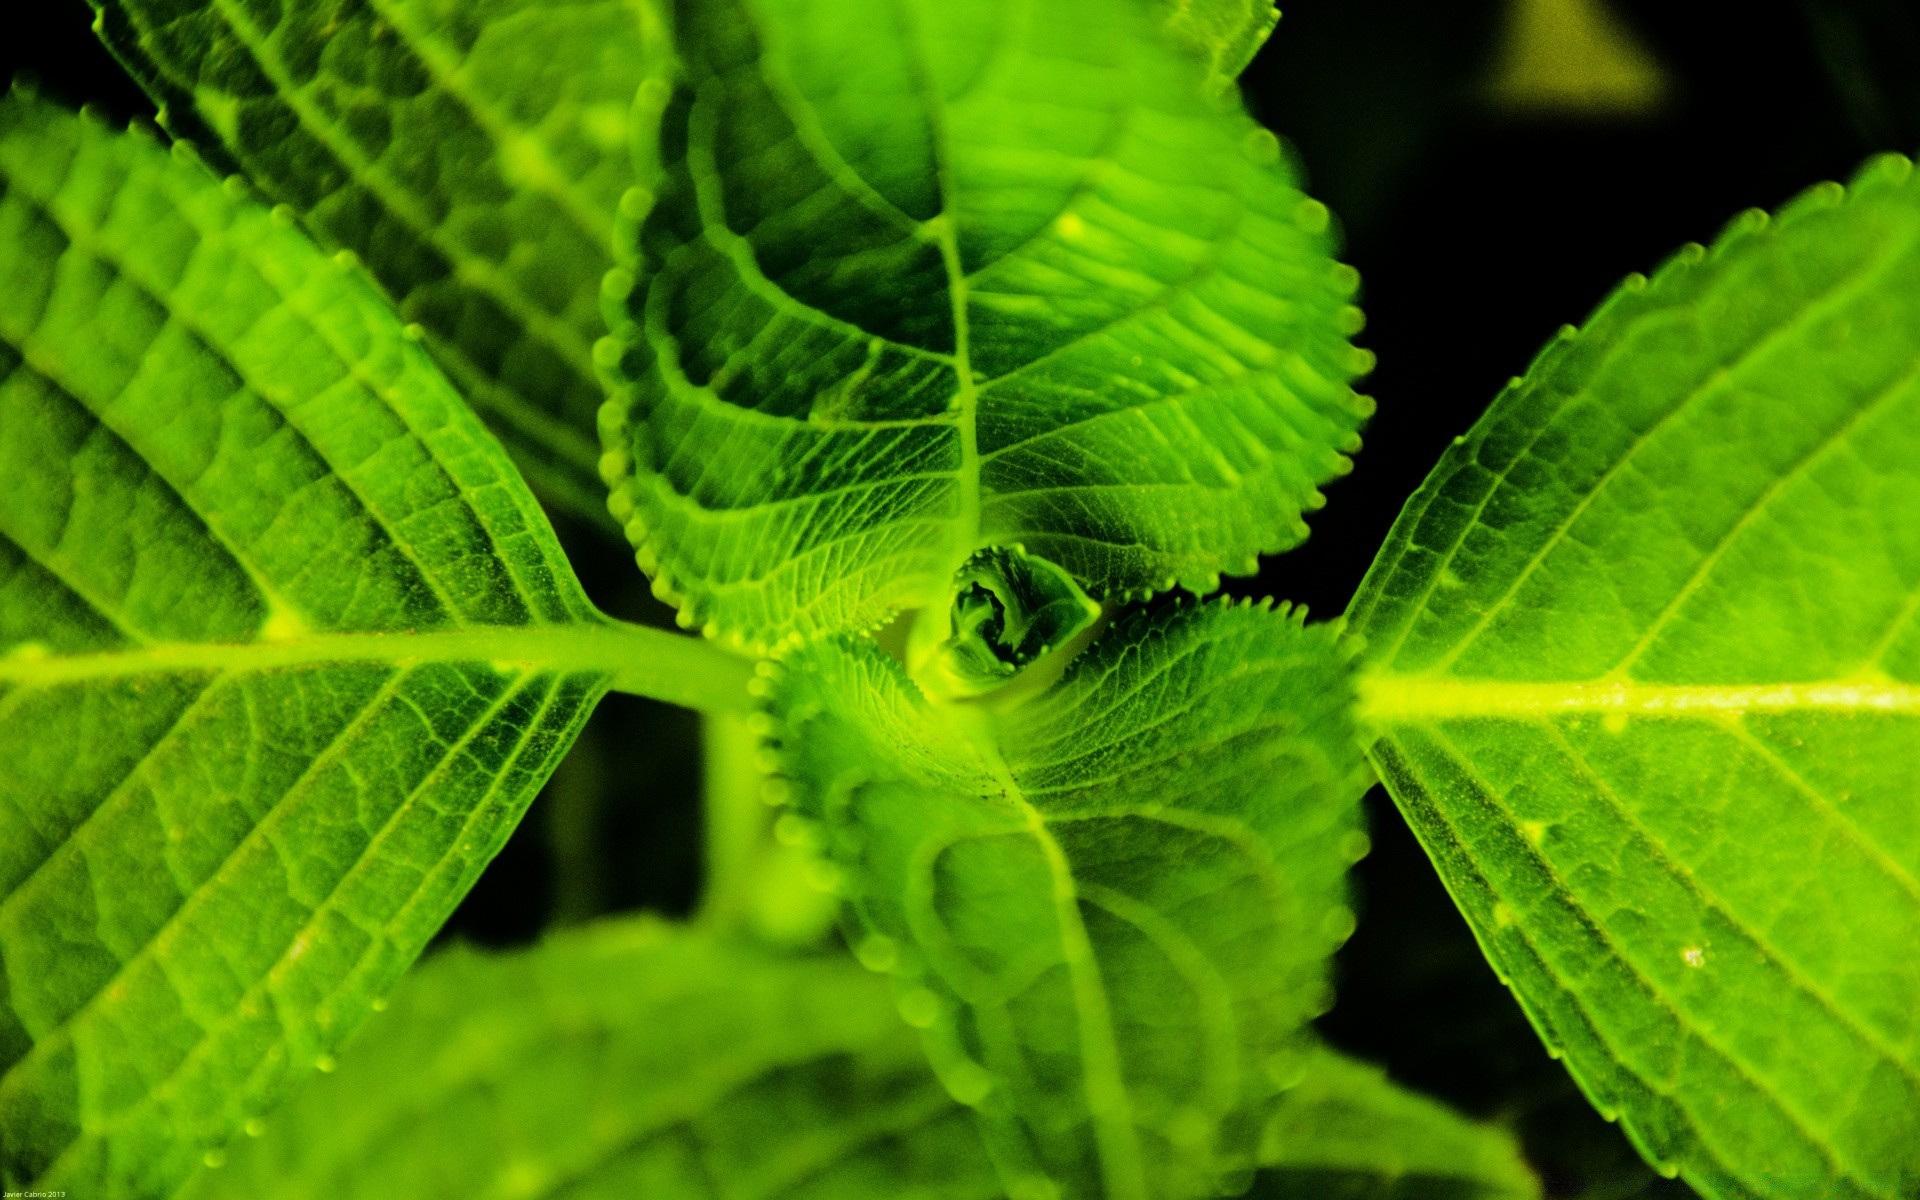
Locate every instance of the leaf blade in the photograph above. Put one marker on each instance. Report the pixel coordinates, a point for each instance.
(1345, 1120)
(626, 1058)
(285, 650)
(1655, 612)
(475, 155)
(1119, 1022)
(889, 333)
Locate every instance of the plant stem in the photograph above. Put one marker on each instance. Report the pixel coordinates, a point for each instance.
(680, 669)
(736, 819)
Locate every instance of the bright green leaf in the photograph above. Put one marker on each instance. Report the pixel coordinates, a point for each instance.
(628, 1061)
(1346, 1130)
(1111, 904)
(1010, 610)
(1645, 659)
(1228, 32)
(930, 276)
(473, 152)
(285, 650)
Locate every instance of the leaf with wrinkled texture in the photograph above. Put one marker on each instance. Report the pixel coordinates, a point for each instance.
(927, 277)
(1111, 904)
(1645, 677)
(473, 152)
(630, 1061)
(285, 650)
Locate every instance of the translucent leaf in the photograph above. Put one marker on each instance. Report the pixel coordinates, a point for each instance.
(628, 1061)
(473, 152)
(285, 650)
(1346, 1130)
(1228, 32)
(1112, 904)
(928, 277)
(1644, 662)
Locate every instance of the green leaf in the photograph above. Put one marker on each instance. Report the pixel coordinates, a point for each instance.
(926, 277)
(625, 1060)
(1347, 1130)
(473, 152)
(285, 650)
(1112, 904)
(1644, 655)
(1228, 32)
(1010, 610)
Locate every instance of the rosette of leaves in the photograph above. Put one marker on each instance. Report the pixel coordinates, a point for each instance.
(1003, 313)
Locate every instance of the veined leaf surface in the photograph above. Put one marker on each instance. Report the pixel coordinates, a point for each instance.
(628, 1061)
(1347, 1131)
(285, 650)
(929, 276)
(1228, 32)
(1645, 676)
(1112, 904)
(473, 152)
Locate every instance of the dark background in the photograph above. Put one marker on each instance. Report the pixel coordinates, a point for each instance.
(1479, 228)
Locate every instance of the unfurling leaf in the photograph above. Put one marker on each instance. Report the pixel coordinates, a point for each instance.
(623, 1061)
(473, 152)
(927, 276)
(1111, 904)
(1010, 610)
(285, 650)
(1645, 677)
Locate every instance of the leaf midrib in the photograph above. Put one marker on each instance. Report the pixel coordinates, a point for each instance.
(1387, 698)
(966, 400)
(652, 662)
(963, 411)
(1103, 1082)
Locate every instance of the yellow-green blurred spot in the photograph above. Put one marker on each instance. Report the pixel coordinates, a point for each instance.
(1574, 58)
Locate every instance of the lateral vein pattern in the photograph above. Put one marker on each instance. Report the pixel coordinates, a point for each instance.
(473, 153)
(923, 278)
(285, 650)
(1644, 672)
(1111, 905)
